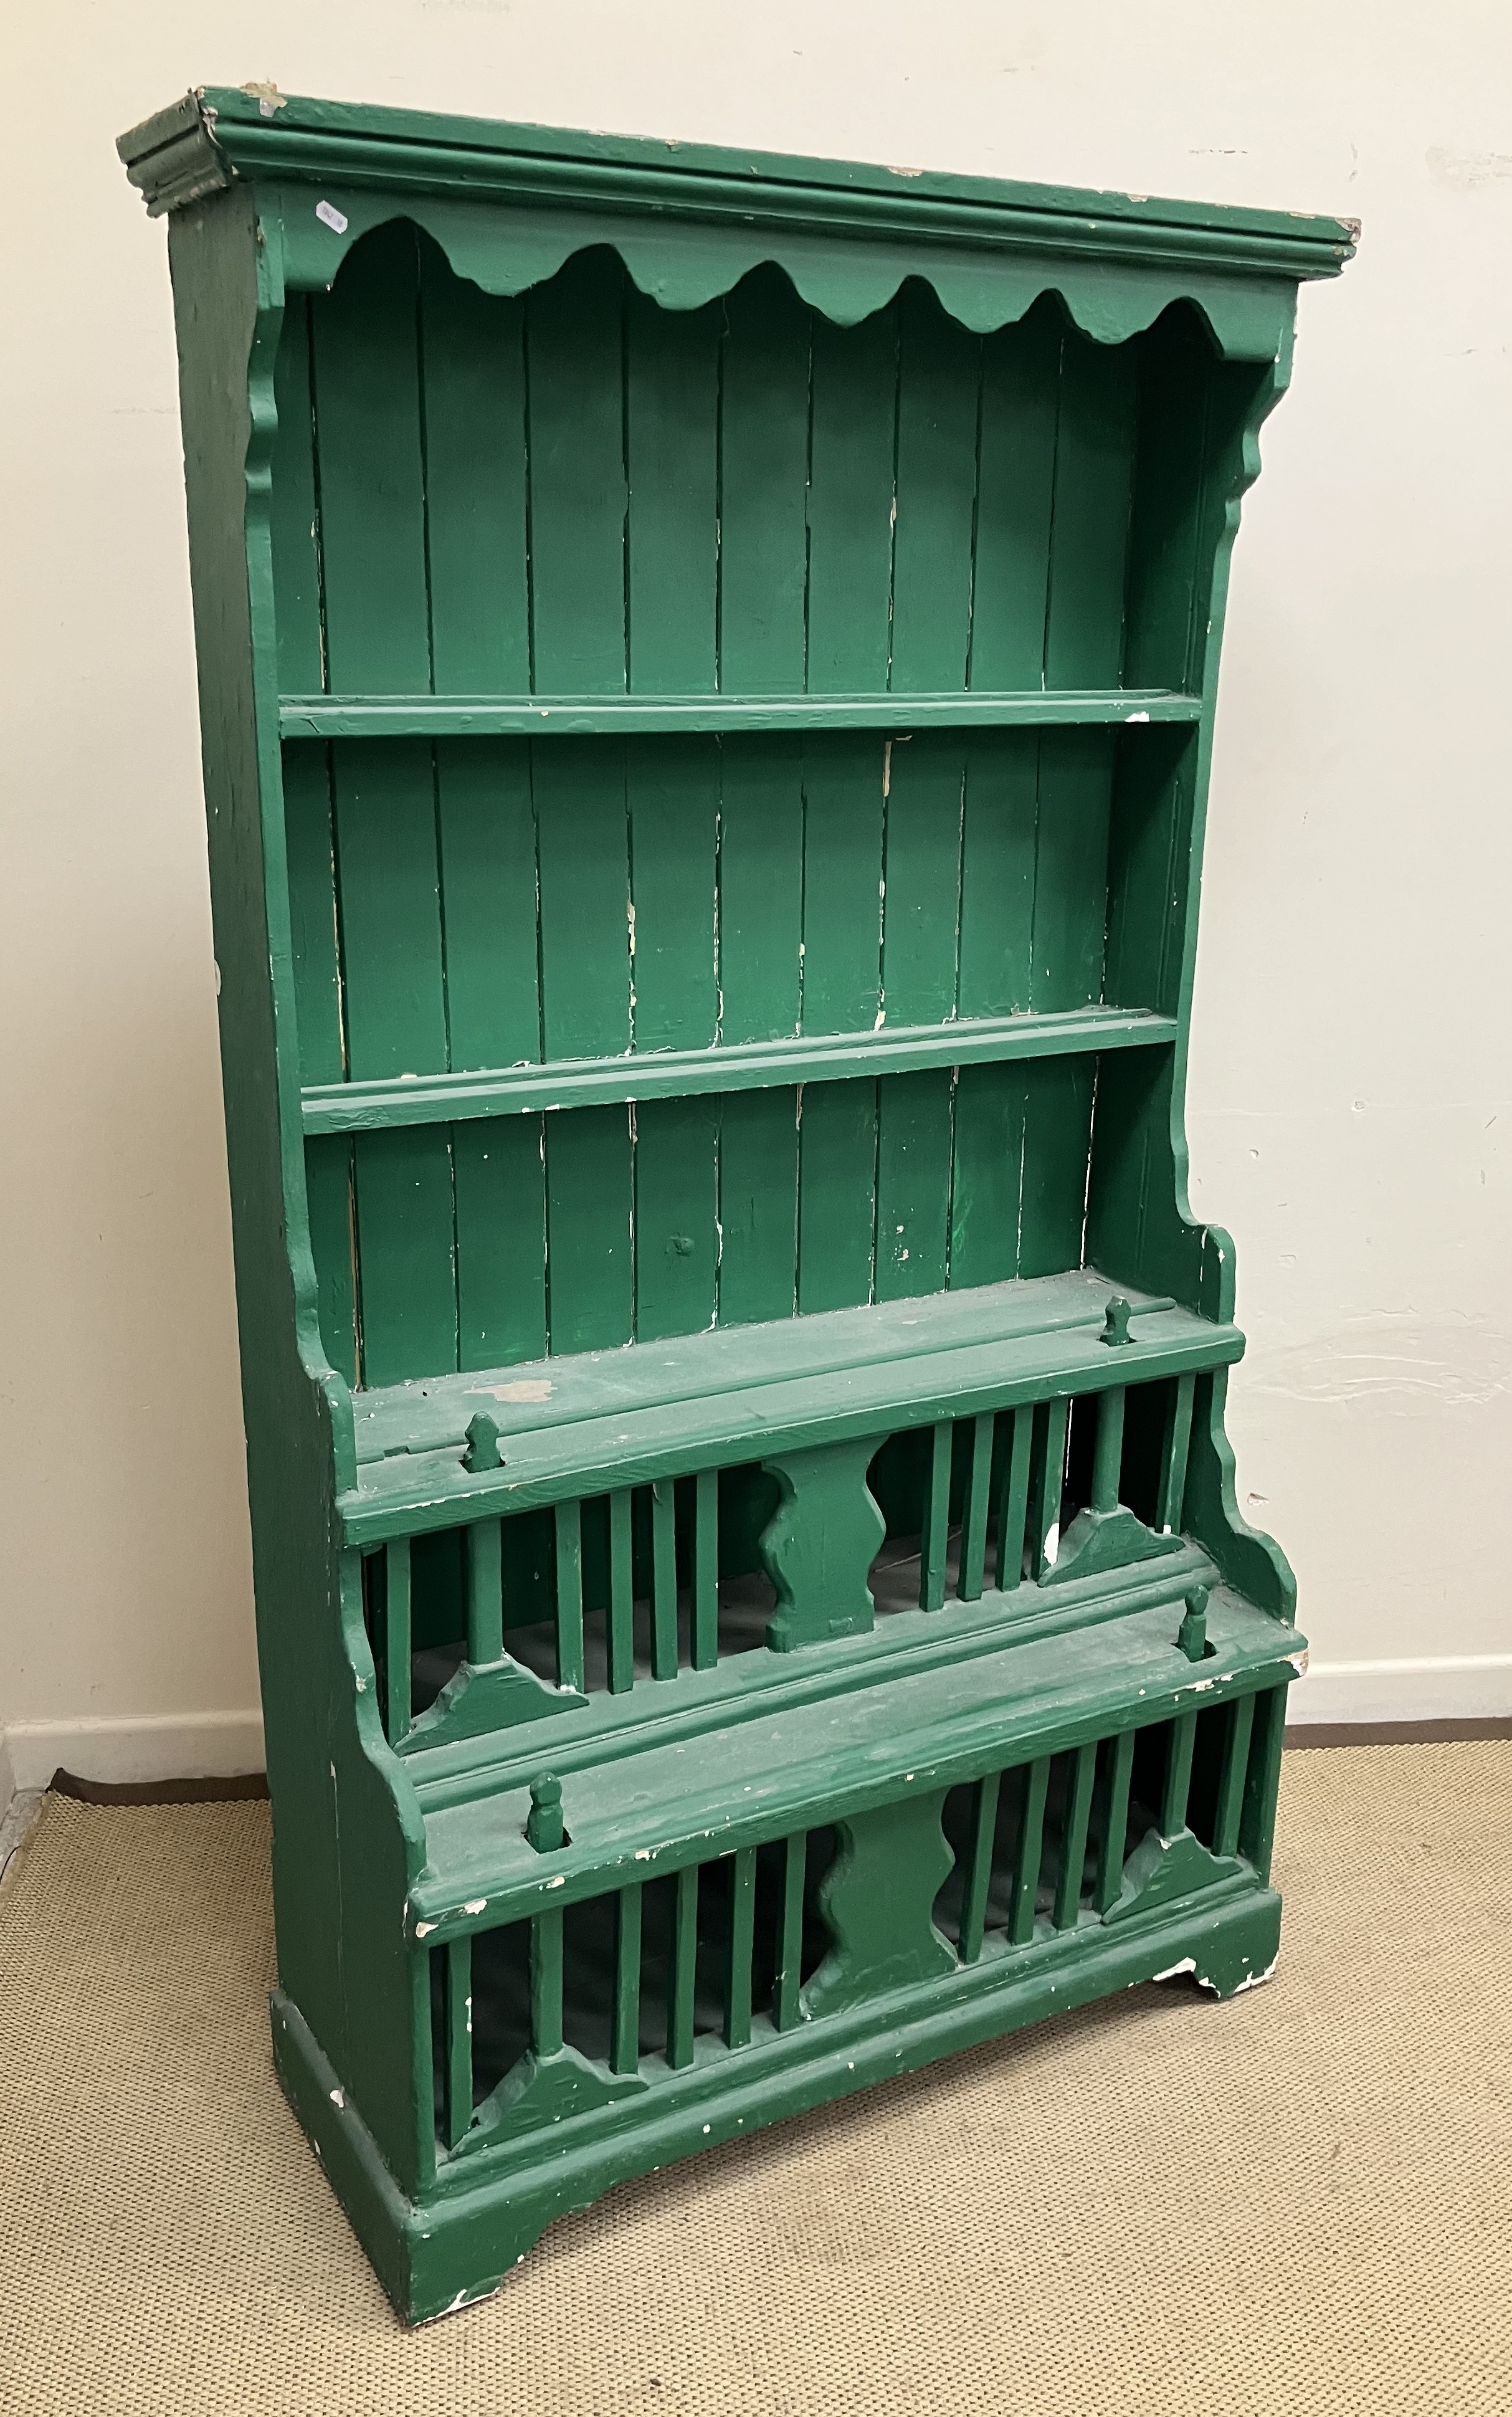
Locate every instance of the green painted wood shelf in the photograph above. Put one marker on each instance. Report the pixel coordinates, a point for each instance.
(707, 665)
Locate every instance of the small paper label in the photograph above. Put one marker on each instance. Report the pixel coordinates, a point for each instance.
(330, 216)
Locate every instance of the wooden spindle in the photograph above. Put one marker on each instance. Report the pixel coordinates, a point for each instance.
(742, 1946)
(1256, 1822)
(1051, 1483)
(790, 1934)
(1235, 1764)
(625, 2041)
(1074, 1837)
(397, 1645)
(456, 2007)
(706, 1570)
(1108, 1452)
(934, 1542)
(546, 1982)
(485, 1591)
(663, 1579)
(1031, 1847)
(571, 1668)
(1013, 1500)
(621, 1596)
(684, 1969)
(1174, 1459)
(1119, 1767)
(974, 1526)
(979, 1868)
(1178, 1780)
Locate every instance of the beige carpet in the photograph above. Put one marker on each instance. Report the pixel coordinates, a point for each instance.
(1298, 2202)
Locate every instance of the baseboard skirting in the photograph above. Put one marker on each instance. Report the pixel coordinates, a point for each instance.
(1438, 1687)
(155, 1747)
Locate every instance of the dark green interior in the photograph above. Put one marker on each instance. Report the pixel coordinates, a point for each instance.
(741, 500)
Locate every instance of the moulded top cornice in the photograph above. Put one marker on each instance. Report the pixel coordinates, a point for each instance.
(215, 135)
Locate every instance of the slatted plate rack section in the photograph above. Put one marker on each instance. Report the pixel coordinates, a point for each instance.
(707, 665)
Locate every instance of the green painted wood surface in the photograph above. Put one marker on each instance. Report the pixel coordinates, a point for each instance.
(708, 668)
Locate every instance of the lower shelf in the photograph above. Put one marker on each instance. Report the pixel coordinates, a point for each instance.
(456, 2242)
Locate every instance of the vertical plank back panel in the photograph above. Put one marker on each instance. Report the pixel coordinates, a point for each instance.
(293, 511)
(407, 1234)
(842, 892)
(673, 794)
(486, 826)
(588, 1225)
(671, 456)
(1021, 380)
(850, 490)
(574, 355)
(372, 469)
(837, 1194)
(499, 1180)
(924, 783)
(676, 1216)
(938, 376)
(764, 475)
(761, 887)
(758, 1205)
(582, 838)
(1089, 534)
(915, 1116)
(1000, 812)
(389, 878)
(472, 388)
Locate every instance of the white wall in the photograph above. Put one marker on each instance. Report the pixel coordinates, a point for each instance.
(1350, 1087)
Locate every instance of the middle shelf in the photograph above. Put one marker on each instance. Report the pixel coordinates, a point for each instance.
(443, 717)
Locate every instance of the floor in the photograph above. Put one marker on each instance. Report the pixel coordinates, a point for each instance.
(1300, 2201)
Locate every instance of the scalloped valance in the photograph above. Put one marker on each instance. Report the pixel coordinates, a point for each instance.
(508, 205)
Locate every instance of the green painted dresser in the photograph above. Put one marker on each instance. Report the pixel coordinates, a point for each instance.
(707, 667)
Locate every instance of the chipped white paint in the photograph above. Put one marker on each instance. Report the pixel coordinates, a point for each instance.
(423, 1929)
(1257, 1979)
(337, 2098)
(1299, 1663)
(475, 1904)
(560, 1882)
(1188, 1964)
(1136, 717)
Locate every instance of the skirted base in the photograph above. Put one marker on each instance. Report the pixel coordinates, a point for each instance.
(458, 2242)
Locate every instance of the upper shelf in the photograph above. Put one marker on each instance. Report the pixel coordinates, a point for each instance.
(733, 1066)
(445, 716)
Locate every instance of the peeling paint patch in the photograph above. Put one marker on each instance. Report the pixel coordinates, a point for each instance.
(1188, 1964)
(1299, 1663)
(475, 1904)
(423, 1929)
(1257, 1979)
(337, 2098)
(525, 1389)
